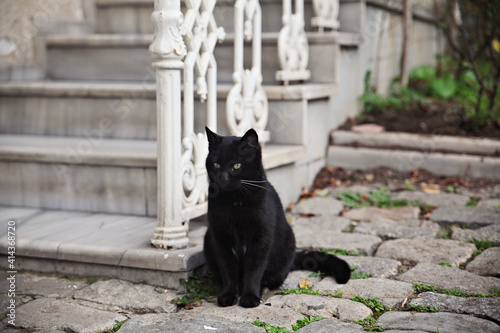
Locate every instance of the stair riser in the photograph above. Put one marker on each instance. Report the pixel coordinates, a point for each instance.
(134, 63)
(107, 189)
(137, 19)
(127, 118)
(104, 189)
(451, 165)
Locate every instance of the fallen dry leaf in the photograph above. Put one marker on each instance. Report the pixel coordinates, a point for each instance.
(322, 193)
(430, 189)
(304, 283)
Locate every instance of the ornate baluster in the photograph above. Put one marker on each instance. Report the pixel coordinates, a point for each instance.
(167, 51)
(327, 13)
(201, 37)
(293, 48)
(246, 104)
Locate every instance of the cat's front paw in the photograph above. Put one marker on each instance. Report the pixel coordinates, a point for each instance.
(249, 301)
(226, 300)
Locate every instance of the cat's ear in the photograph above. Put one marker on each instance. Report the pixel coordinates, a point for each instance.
(213, 139)
(251, 138)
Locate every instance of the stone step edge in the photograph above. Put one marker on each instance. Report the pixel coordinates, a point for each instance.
(144, 40)
(150, 3)
(140, 255)
(99, 89)
(124, 3)
(94, 150)
(417, 142)
(452, 165)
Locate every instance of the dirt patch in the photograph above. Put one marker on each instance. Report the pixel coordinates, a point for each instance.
(438, 118)
(336, 177)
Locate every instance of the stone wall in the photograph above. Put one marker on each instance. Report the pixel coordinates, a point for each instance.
(22, 20)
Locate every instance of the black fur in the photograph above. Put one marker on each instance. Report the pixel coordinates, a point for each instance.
(249, 245)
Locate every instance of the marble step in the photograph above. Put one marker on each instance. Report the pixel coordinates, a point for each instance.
(93, 174)
(97, 244)
(425, 143)
(444, 155)
(128, 110)
(121, 57)
(134, 16)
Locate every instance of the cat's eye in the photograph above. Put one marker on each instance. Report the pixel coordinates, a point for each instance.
(217, 165)
(237, 166)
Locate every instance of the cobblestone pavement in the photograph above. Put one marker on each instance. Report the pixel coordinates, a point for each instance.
(413, 271)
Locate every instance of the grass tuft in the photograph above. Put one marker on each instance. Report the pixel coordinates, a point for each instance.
(379, 198)
(198, 288)
(420, 288)
(342, 252)
(370, 325)
(279, 329)
(422, 308)
(444, 264)
(299, 291)
(116, 326)
(374, 304)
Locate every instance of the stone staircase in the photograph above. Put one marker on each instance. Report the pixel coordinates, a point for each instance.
(78, 150)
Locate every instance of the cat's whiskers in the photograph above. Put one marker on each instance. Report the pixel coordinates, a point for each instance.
(254, 181)
(245, 183)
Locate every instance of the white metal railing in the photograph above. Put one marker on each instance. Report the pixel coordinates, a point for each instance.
(327, 13)
(246, 104)
(184, 44)
(201, 35)
(293, 48)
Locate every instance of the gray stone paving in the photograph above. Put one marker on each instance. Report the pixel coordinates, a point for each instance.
(327, 307)
(399, 249)
(478, 306)
(487, 263)
(413, 251)
(489, 233)
(441, 322)
(391, 229)
(467, 216)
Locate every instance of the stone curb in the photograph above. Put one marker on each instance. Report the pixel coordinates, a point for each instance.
(404, 161)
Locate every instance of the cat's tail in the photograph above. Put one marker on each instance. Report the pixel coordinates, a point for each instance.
(326, 263)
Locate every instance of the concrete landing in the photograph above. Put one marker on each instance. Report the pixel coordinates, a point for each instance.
(109, 245)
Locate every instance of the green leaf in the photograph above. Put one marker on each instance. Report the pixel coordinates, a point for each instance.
(423, 72)
(444, 87)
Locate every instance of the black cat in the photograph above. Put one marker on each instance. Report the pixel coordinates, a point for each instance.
(249, 245)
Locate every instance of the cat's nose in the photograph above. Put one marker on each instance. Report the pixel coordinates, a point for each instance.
(224, 176)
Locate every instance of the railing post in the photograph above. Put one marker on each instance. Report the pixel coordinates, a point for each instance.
(293, 48)
(168, 51)
(327, 14)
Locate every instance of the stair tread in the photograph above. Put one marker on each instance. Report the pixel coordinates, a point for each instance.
(417, 142)
(143, 40)
(77, 88)
(111, 152)
(108, 239)
(148, 90)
